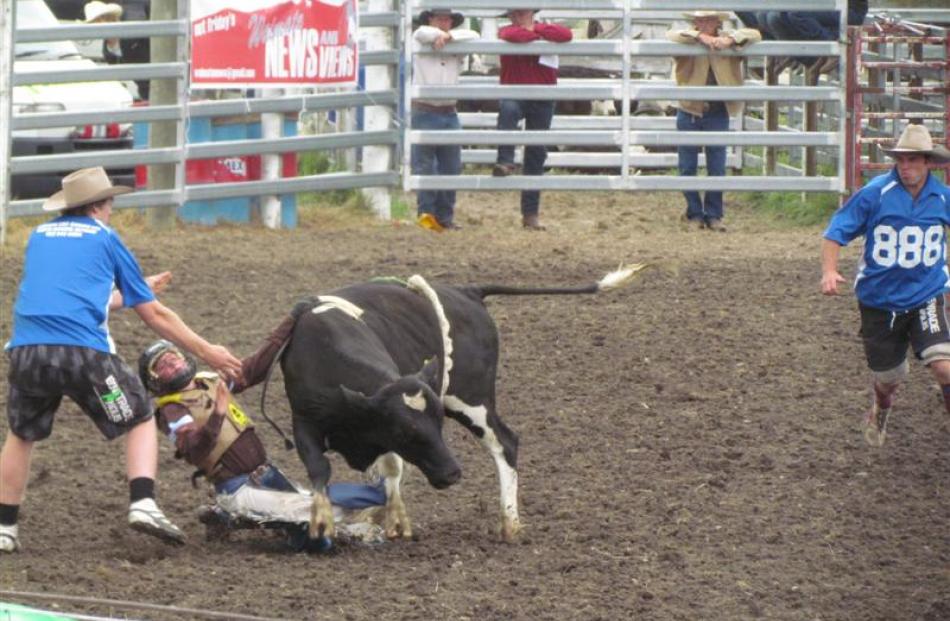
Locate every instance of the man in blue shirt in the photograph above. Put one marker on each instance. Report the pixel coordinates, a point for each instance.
(902, 275)
(75, 271)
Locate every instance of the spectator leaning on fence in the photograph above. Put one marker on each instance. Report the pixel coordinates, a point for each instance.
(527, 69)
(436, 28)
(707, 70)
(813, 26)
(902, 275)
(75, 271)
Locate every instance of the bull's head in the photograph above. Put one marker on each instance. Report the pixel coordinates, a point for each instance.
(407, 418)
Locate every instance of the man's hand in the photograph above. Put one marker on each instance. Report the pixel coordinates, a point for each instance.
(440, 42)
(830, 281)
(221, 398)
(223, 361)
(158, 282)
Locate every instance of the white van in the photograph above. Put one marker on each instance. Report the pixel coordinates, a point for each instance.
(98, 98)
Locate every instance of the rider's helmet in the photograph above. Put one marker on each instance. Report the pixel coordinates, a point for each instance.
(162, 374)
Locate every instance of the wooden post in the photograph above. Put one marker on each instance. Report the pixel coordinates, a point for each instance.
(771, 117)
(810, 164)
(164, 133)
(376, 118)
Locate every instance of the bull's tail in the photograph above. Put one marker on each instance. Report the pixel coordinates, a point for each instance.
(620, 277)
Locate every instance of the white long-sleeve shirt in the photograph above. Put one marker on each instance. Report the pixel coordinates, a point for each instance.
(437, 69)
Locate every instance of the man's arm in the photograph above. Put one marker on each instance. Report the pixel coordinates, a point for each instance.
(553, 32)
(156, 282)
(518, 34)
(830, 278)
(167, 324)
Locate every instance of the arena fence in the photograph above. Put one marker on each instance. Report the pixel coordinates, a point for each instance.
(626, 144)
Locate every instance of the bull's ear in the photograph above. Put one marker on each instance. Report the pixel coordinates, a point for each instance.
(354, 398)
(429, 373)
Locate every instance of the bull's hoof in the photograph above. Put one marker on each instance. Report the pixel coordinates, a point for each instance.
(321, 518)
(399, 530)
(509, 531)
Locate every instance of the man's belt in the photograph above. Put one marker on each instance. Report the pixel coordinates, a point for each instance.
(418, 106)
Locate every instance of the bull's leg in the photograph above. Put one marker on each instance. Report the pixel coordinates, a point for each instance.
(310, 450)
(502, 443)
(395, 520)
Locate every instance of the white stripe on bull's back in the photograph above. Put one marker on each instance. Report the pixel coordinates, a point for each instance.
(419, 284)
(507, 476)
(332, 302)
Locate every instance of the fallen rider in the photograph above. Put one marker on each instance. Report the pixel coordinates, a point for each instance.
(211, 432)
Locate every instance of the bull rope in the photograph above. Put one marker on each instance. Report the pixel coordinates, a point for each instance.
(118, 603)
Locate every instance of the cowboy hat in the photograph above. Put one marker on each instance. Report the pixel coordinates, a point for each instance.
(510, 11)
(916, 139)
(86, 185)
(425, 16)
(720, 15)
(97, 11)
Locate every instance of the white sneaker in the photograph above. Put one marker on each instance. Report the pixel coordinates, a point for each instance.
(9, 541)
(146, 517)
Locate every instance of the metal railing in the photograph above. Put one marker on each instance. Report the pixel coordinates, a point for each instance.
(626, 143)
(184, 111)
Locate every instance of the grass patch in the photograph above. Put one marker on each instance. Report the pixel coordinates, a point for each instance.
(800, 209)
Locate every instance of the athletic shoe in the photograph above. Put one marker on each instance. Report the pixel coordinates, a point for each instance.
(875, 425)
(9, 540)
(146, 517)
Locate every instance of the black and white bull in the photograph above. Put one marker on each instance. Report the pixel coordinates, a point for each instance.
(373, 369)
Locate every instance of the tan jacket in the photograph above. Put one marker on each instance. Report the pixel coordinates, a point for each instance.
(693, 70)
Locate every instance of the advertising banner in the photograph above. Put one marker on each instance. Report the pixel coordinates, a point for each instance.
(273, 43)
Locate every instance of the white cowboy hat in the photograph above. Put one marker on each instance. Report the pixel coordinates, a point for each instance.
(96, 11)
(916, 139)
(720, 15)
(86, 185)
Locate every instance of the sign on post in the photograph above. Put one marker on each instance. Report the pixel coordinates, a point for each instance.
(273, 43)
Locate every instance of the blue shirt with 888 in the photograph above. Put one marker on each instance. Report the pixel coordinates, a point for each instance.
(904, 263)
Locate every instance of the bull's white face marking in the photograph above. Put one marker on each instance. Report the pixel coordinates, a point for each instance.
(332, 302)
(507, 476)
(418, 283)
(416, 401)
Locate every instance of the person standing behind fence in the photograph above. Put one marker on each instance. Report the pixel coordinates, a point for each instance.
(813, 26)
(436, 28)
(902, 275)
(713, 116)
(132, 50)
(527, 69)
(75, 271)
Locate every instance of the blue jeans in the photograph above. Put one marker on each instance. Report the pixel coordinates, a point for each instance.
(716, 119)
(536, 115)
(429, 159)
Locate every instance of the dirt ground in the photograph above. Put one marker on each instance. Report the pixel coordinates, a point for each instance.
(690, 445)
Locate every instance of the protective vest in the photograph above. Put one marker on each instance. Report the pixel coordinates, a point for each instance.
(200, 403)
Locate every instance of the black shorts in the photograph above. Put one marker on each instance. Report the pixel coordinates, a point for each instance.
(106, 389)
(886, 335)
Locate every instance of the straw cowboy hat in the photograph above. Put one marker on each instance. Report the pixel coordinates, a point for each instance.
(100, 11)
(720, 15)
(916, 139)
(86, 185)
(425, 16)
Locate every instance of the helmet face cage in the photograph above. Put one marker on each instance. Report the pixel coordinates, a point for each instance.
(150, 378)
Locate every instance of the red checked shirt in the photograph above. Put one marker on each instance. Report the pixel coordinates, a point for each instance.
(527, 69)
